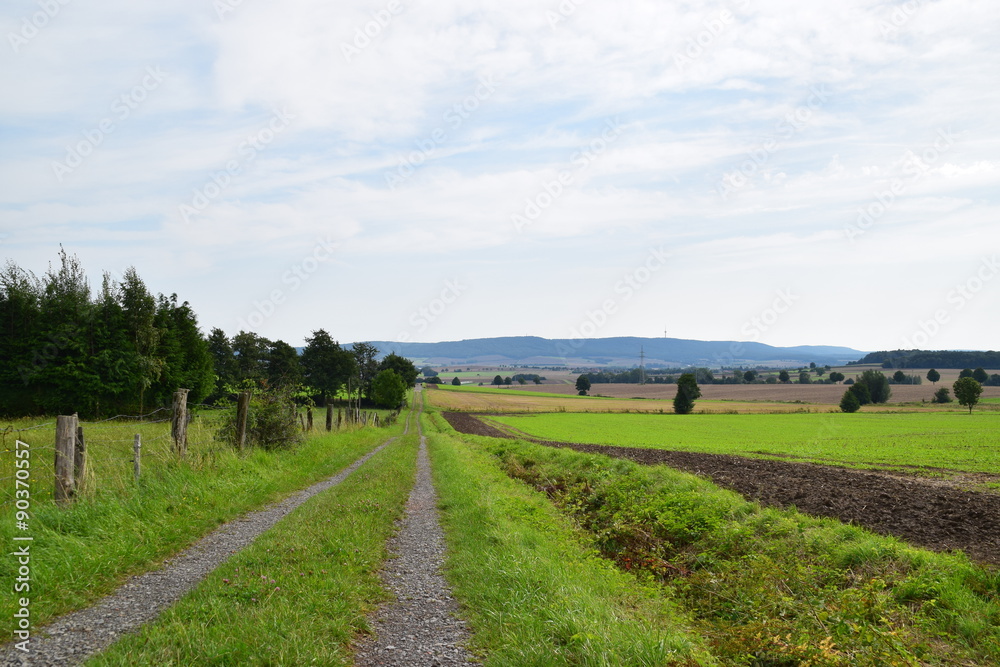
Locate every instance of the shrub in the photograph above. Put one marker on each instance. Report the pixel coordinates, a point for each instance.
(850, 402)
(942, 395)
(272, 422)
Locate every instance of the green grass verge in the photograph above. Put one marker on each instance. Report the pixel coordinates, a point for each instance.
(534, 594)
(954, 441)
(300, 593)
(770, 587)
(84, 551)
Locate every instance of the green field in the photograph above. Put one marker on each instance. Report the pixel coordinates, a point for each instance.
(954, 441)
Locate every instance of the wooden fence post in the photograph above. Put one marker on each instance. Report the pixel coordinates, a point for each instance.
(242, 412)
(309, 419)
(329, 417)
(65, 456)
(137, 455)
(339, 418)
(178, 423)
(79, 461)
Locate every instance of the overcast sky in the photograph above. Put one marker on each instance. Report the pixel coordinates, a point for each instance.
(785, 172)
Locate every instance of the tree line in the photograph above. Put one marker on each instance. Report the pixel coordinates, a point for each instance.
(933, 359)
(123, 350)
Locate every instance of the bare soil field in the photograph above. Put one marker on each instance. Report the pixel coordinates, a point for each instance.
(923, 512)
(825, 394)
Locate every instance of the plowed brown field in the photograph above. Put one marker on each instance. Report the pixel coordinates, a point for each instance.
(919, 511)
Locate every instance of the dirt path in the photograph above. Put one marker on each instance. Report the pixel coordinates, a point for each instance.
(73, 638)
(916, 510)
(421, 627)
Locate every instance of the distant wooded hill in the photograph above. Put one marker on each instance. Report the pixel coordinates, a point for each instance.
(624, 351)
(931, 359)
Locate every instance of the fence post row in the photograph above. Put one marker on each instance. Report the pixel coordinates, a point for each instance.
(309, 419)
(329, 417)
(66, 432)
(178, 422)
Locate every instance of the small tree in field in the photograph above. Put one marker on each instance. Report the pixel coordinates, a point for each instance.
(583, 385)
(687, 392)
(784, 376)
(933, 376)
(850, 402)
(497, 380)
(898, 376)
(967, 391)
(750, 376)
(455, 382)
(966, 373)
(980, 376)
(836, 376)
(942, 395)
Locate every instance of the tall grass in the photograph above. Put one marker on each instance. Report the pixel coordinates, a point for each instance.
(119, 527)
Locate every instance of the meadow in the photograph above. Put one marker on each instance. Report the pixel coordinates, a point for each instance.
(928, 441)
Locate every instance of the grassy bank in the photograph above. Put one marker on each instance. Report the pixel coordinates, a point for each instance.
(769, 587)
(85, 550)
(534, 592)
(299, 594)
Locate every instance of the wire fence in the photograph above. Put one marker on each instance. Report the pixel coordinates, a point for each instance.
(110, 449)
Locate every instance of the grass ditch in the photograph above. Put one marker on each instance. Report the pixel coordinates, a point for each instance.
(533, 591)
(84, 551)
(300, 593)
(765, 586)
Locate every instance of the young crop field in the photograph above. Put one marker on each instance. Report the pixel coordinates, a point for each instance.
(953, 441)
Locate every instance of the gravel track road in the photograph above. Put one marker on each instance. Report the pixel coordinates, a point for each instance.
(421, 627)
(71, 639)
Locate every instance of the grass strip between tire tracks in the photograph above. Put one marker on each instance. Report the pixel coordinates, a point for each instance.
(300, 593)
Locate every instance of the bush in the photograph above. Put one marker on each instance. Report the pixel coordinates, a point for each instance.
(272, 422)
(687, 392)
(850, 402)
(942, 395)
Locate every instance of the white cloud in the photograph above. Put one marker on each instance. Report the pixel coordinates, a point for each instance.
(703, 91)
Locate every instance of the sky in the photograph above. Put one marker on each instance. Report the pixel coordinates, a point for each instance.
(792, 173)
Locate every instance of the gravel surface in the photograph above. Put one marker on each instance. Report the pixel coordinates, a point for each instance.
(73, 638)
(421, 627)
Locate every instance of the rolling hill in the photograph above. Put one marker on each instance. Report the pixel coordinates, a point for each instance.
(670, 352)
